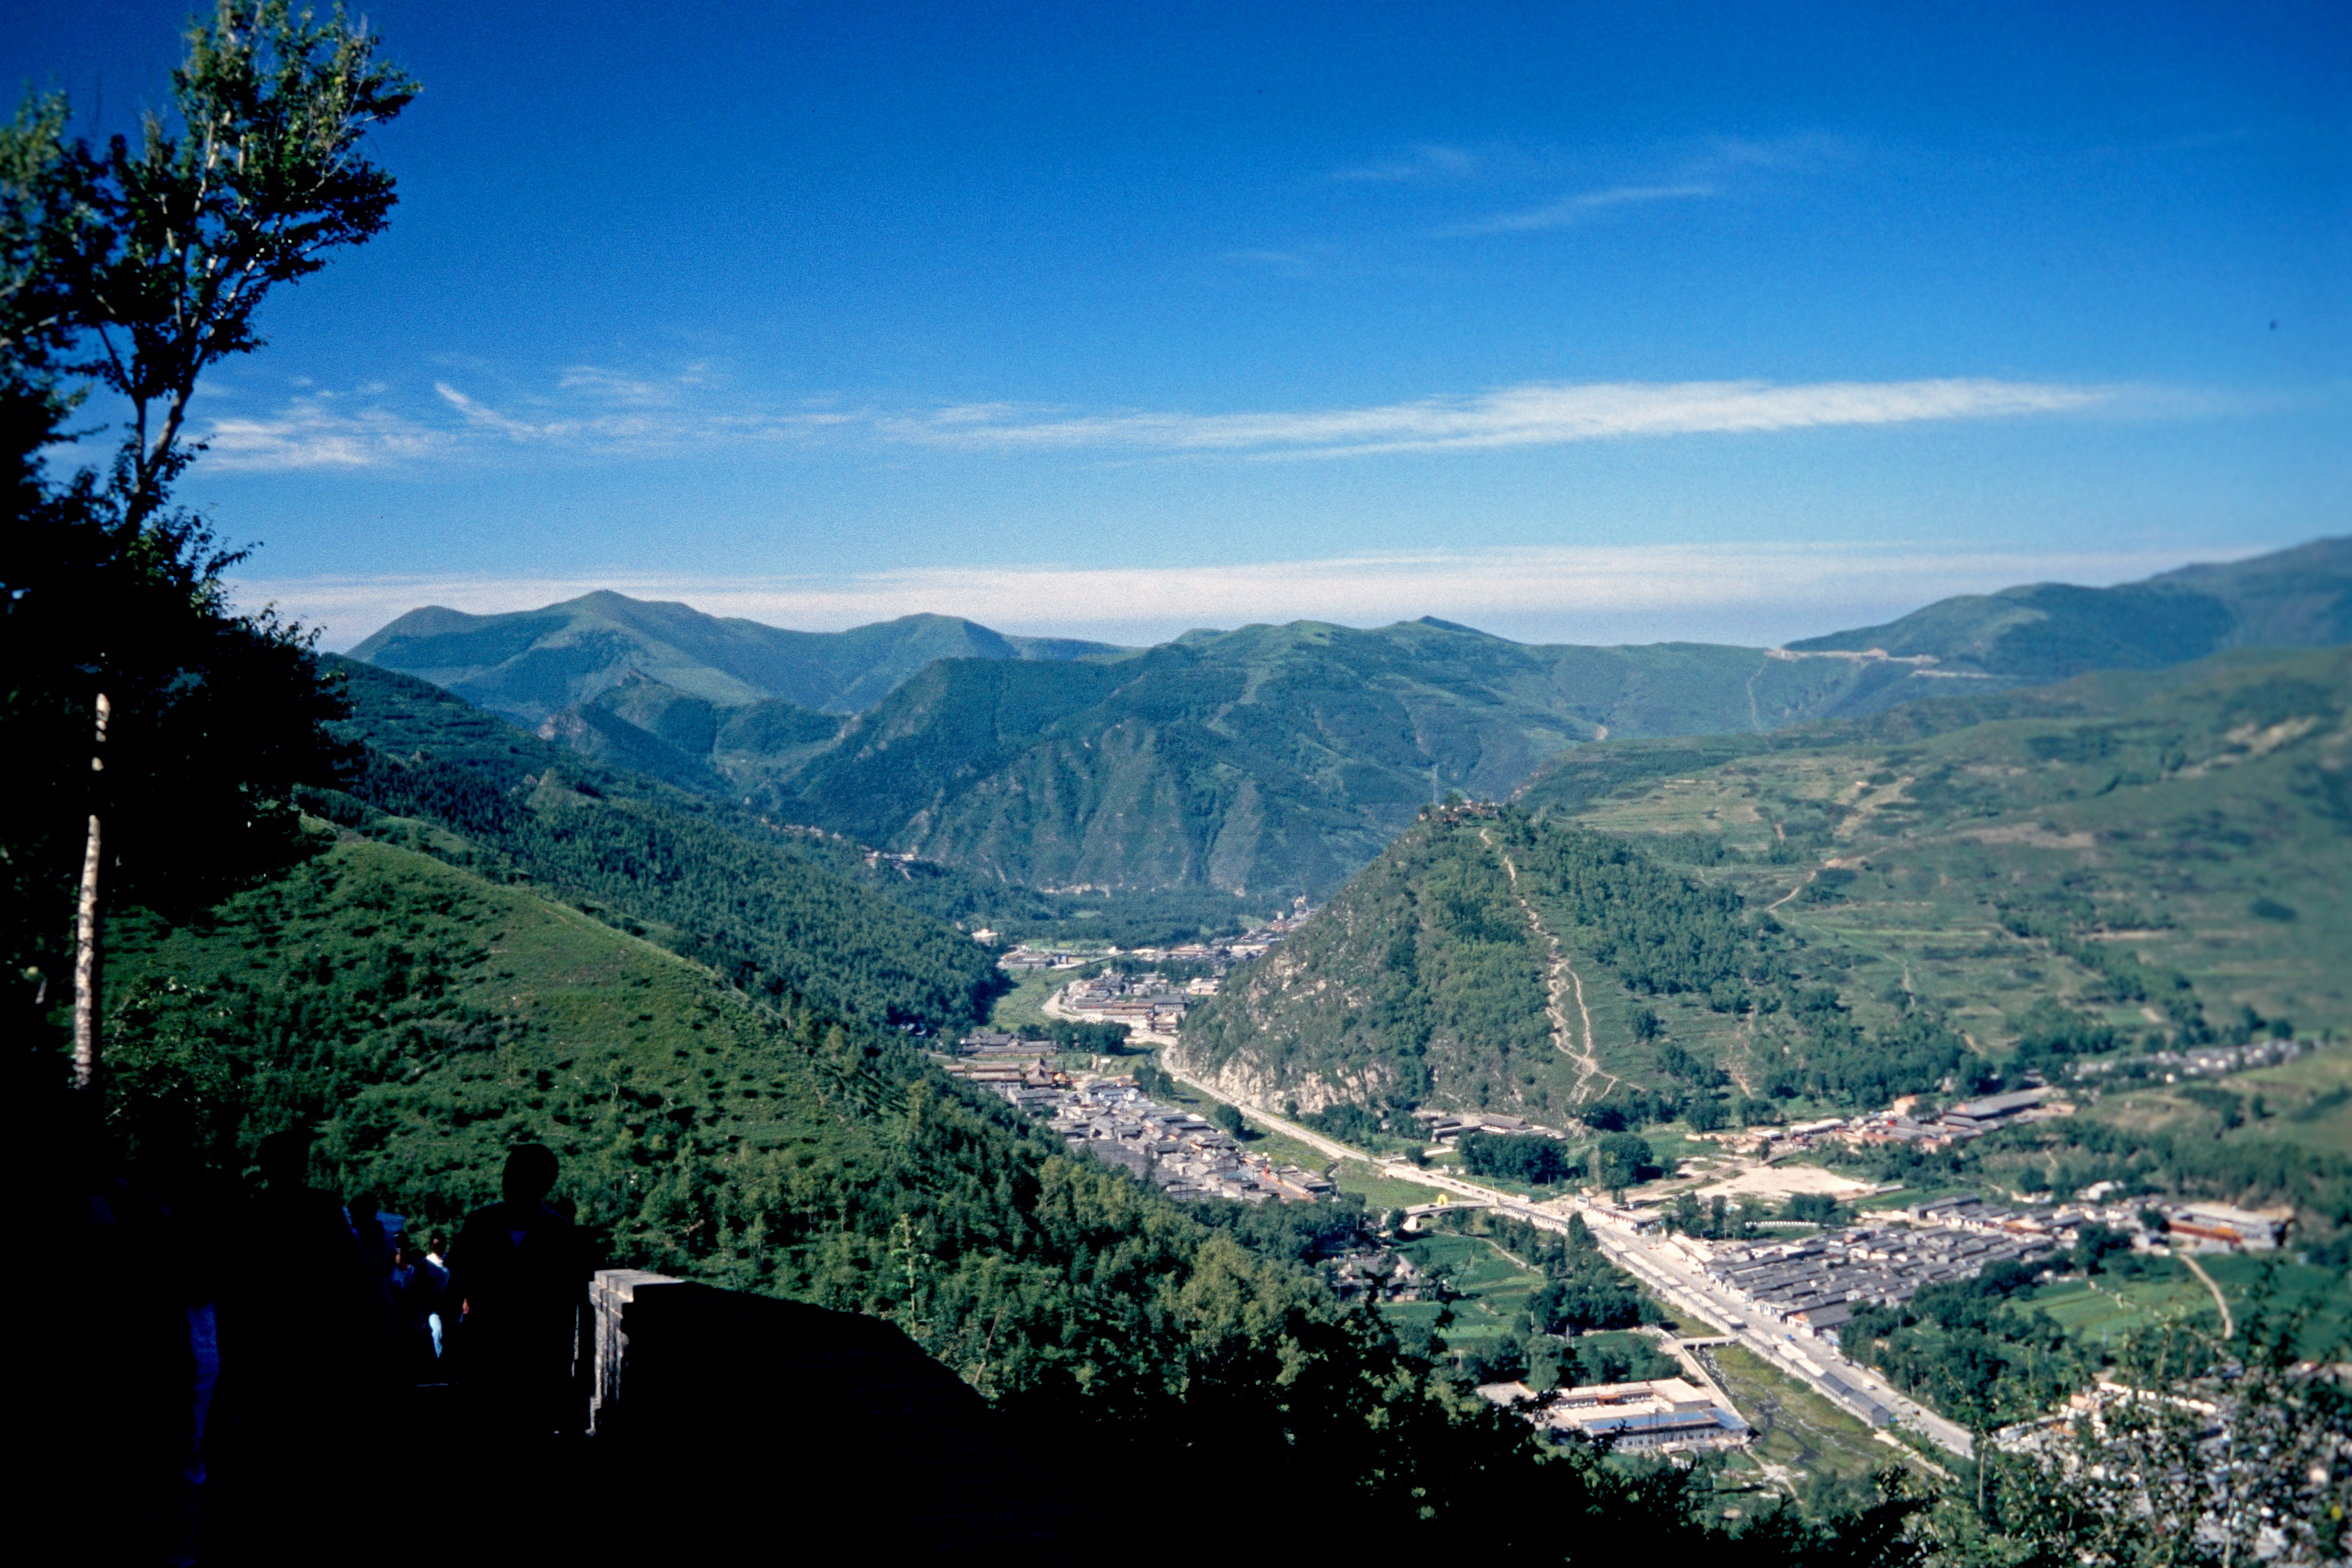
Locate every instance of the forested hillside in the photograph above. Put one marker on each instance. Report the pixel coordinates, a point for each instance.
(1493, 960)
(426, 1019)
(776, 912)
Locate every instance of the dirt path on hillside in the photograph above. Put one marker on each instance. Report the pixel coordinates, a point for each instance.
(1560, 983)
(2229, 1328)
(1741, 1058)
(1792, 892)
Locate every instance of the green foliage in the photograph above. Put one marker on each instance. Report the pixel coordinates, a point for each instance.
(2093, 1244)
(708, 882)
(1659, 932)
(1535, 1160)
(1622, 1159)
(1970, 1352)
(1584, 1292)
(1351, 1124)
(1108, 1040)
(168, 250)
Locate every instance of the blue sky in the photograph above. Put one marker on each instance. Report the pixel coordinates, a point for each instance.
(1573, 323)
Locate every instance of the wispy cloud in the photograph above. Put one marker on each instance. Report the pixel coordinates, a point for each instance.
(1427, 161)
(1290, 261)
(1688, 170)
(1735, 592)
(611, 416)
(1578, 208)
(1535, 414)
(319, 430)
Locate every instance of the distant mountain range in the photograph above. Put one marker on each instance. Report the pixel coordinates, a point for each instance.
(1269, 759)
(534, 663)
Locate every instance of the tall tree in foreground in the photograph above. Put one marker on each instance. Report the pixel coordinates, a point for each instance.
(159, 733)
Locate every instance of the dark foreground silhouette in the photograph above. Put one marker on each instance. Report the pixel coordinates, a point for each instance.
(257, 1380)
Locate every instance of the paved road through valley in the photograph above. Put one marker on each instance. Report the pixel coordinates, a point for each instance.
(1671, 1273)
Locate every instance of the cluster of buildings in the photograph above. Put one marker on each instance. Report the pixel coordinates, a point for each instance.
(1147, 1003)
(1183, 1154)
(1219, 954)
(1447, 1126)
(989, 1056)
(1968, 1119)
(1812, 1285)
(1668, 1415)
(2206, 1061)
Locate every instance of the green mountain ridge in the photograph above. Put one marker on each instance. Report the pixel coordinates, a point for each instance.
(531, 664)
(1269, 760)
(2047, 631)
(778, 913)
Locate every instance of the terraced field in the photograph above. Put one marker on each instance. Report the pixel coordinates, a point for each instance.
(2200, 818)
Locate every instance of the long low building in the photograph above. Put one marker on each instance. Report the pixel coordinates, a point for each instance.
(2225, 1225)
(1664, 1415)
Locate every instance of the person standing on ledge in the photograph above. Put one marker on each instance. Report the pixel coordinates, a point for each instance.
(516, 1278)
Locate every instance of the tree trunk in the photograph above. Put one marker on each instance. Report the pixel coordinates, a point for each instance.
(85, 1012)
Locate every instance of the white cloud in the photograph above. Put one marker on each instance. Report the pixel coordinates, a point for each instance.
(1750, 593)
(602, 413)
(1578, 208)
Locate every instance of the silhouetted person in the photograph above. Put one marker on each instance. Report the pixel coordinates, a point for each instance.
(418, 1286)
(302, 1338)
(517, 1279)
(375, 1260)
(297, 1323)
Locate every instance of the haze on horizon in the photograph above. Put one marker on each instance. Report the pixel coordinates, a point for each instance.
(1571, 327)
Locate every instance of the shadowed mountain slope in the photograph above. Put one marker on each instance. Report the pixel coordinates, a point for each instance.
(1266, 759)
